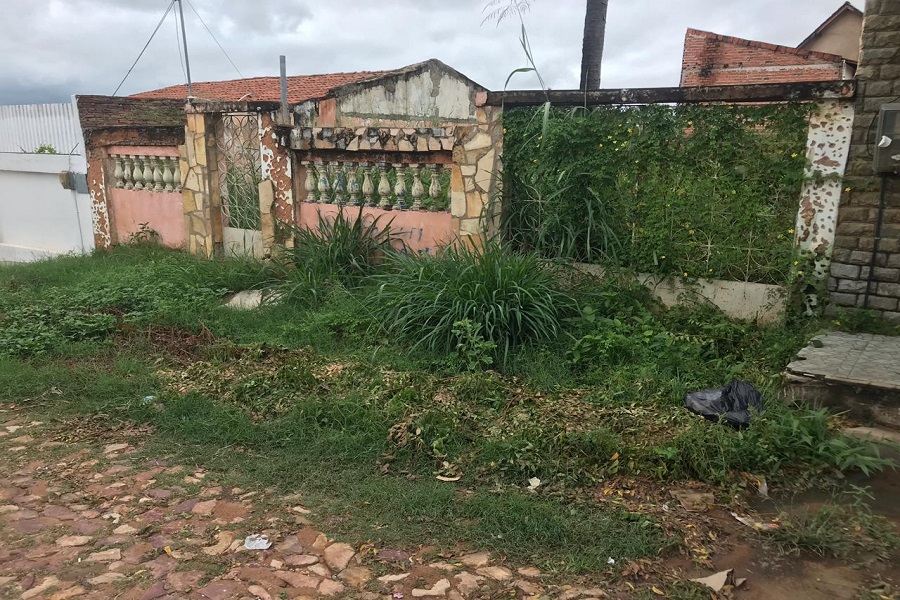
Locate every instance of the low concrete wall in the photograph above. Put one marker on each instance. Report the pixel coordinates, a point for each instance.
(421, 231)
(242, 242)
(38, 217)
(162, 212)
(737, 299)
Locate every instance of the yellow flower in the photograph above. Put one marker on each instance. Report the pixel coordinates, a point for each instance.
(799, 272)
(791, 230)
(733, 192)
(663, 256)
(847, 189)
(685, 274)
(794, 155)
(796, 262)
(692, 232)
(630, 131)
(625, 143)
(600, 146)
(609, 137)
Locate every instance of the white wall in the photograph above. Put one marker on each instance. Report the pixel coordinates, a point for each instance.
(38, 217)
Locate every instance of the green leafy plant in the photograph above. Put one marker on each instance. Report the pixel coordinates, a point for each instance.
(339, 252)
(511, 299)
(45, 149)
(144, 235)
(691, 191)
(472, 351)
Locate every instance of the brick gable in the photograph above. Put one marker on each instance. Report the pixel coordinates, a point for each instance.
(713, 59)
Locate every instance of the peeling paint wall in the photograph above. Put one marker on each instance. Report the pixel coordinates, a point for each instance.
(828, 146)
(276, 206)
(427, 98)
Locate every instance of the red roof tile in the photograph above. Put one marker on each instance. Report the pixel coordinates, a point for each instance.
(263, 89)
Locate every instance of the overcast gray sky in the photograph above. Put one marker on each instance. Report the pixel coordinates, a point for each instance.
(52, 49)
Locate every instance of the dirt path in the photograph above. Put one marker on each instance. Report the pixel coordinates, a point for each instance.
(86, 514)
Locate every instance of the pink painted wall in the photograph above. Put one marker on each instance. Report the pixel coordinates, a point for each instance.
(143, 150)
(162, 211)
(422, 231)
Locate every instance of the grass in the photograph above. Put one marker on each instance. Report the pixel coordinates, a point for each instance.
(512, 299)
(300, 451)
(839, 528)
(314, 397)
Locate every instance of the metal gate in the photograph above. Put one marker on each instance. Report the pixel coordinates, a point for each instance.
(240, 173)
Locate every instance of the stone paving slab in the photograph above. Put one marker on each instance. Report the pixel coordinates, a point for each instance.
(853, 358)
(100, 520)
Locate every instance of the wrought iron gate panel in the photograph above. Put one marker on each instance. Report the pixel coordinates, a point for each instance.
(239, 167)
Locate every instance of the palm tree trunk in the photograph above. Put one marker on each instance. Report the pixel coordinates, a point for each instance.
(592, 45)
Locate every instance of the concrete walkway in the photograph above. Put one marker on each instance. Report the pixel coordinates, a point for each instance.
(859, 372)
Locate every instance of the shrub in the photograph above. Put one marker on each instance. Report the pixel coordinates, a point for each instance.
(698, 191)
(777, 439)
(340, 252)
(511, 299)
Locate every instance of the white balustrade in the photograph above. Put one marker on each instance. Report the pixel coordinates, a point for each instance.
(382, 185)
(151, 173)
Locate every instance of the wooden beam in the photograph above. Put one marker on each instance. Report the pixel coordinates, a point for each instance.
(768, 92)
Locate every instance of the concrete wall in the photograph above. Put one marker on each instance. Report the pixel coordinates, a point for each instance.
(429, 94)
(862, 274)
(38, 217)
(163, 213)
(841, 37)
(738, 299)
(428, 98)
(421, 232)
(712, 59)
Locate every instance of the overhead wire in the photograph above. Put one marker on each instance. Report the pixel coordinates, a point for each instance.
(213, 36)
(144, 49)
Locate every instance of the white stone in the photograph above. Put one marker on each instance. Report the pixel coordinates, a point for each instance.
(438, 589)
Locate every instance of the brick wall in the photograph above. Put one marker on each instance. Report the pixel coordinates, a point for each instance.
(712, 59)
(854, 268)
(115, 121)
(104, 112)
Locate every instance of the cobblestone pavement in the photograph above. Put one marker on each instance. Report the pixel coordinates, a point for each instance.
(98, 519)
(856, 358)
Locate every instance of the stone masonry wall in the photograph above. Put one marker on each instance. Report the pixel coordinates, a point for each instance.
(854, 269)
(197, 168)
(475, 180)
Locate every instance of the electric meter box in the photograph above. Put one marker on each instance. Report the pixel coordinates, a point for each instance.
(887, 140)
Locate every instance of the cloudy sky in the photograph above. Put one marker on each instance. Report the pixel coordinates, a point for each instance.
(52, 49)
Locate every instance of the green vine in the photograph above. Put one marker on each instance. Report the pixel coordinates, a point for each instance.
(693, 191)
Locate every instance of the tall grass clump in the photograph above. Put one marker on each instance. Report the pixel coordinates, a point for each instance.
(340, 252)
(509, 298)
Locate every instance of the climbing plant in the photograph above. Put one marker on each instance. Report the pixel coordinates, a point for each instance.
(694, 191)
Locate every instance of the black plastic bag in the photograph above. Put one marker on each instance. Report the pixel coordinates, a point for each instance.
(730, 402)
